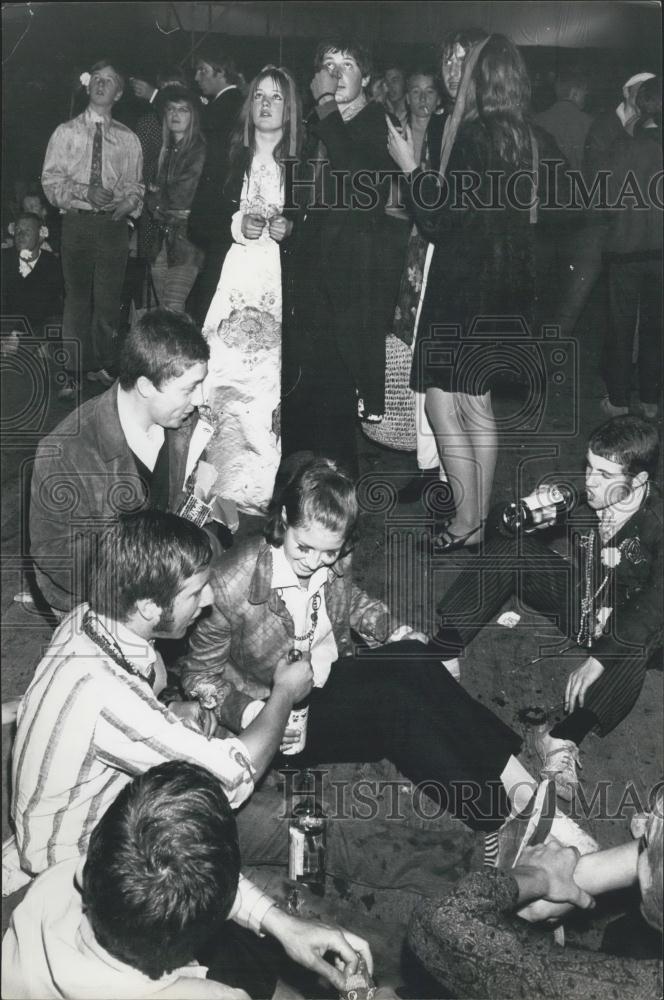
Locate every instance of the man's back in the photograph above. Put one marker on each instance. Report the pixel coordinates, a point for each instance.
(50, 950)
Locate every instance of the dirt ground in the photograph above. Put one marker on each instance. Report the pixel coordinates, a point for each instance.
(415, 855)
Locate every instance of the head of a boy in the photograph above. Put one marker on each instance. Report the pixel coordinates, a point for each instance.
(162, 868)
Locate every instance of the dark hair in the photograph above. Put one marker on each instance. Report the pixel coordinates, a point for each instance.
(221, 61)
(312, 488)
(148, 554)
(629, 441)
(161, 346)
(29, 215)
(244, 136)
(162, 868)
(649, 99)
(172, 75)
(568, 80)
(108, 63)
(499, 96)
(347, 47)
(465, 37)
(174, 94)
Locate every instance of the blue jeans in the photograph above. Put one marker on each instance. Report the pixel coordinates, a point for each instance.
(94, 260)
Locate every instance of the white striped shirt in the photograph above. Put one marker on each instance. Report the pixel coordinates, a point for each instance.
(85, 727)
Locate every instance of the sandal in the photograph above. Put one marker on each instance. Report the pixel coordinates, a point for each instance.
(446, 541)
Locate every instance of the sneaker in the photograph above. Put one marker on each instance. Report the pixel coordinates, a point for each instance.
(650, 411)
(69, 390)
(101, 376)
(610, 410)
(529, 827)
(560, 759)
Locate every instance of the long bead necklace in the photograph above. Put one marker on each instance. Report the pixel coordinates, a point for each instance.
(112, 649)
(585, 636)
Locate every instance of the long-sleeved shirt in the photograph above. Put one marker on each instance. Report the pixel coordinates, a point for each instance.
(50, 950)
(473, 944)
(85, 727)
(66, 170)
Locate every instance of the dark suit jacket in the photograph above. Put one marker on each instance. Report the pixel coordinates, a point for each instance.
(37, 297)
(209, 223)
(83, 477)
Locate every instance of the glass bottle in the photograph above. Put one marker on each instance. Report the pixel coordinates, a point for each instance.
(545, 506)
(307, 836)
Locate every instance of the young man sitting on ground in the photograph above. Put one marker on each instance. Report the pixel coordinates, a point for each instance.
(155, 890)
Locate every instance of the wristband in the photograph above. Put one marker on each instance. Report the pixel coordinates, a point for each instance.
(328, 93)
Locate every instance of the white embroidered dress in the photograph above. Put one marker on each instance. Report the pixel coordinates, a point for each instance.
(243, 329)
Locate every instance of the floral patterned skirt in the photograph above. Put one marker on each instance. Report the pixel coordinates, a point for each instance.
(243, 329)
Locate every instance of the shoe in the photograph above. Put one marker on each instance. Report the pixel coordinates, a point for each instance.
(650, 411)
(560, 759)
(446, 541)
(415, 487)
(529, 827)
(101, 376)
(610, 410)
(24, 597)
(69, 390)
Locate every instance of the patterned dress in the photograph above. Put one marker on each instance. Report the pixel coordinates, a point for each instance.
(243, 329)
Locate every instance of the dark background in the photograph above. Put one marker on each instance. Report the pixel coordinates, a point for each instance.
(47, 45)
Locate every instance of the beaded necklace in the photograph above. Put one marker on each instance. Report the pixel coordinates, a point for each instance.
(309, 636)
(112, 649)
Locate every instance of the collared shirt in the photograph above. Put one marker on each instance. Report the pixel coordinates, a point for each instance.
(85, 727)
(50, 950)
(231, 86)
(146, 445)
(66, 170)
(299, 602)
(613, 518)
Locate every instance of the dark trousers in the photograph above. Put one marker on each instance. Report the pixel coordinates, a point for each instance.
(548, 583)
(634, 287)
(398, 703)
(94, 259)
(206, 282)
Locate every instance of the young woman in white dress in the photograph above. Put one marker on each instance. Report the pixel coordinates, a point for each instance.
(243, 324)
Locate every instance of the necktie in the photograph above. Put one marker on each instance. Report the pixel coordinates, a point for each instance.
(95, 168)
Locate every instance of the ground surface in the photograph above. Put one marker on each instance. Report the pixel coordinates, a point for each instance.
(379, 867)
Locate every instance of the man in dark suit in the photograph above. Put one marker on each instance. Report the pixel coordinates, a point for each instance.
(31, 279)
(209, 222)
(606, 595)
(341, 319)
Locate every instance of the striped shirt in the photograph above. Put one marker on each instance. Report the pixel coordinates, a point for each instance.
(85, 727)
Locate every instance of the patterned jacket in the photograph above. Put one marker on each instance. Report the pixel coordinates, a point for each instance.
(250, 629)
(473, 944)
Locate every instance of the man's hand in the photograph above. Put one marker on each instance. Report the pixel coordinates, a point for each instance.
(307, 941)
(142, 89)
(252, 226)
(579, 681)
(122, 209)
(192, 712)
(296, 678)
(324, 82)
(554, 866)
(99, 196)
(400, 149)
(418, 636)
(280, 227)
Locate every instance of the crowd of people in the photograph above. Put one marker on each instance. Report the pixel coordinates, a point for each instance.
(283, 252)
